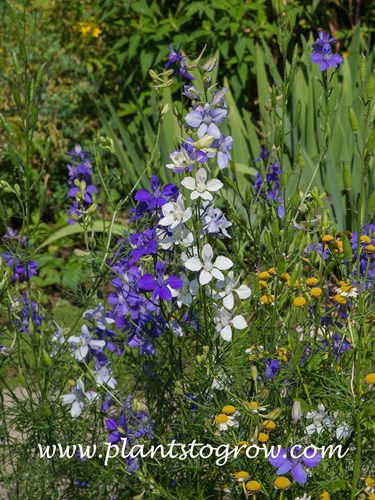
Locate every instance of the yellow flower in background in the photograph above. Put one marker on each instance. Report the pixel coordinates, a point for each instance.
(253, 487)
(89, 28)
(96, 32)
(282, 483)
(299, 301)
(325, 496)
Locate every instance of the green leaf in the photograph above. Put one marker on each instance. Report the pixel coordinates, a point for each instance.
(99, 226)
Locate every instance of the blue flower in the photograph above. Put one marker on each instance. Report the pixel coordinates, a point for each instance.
(160, 286)
(284, 462)
(205, 119)
(176, 57)
(323, 52)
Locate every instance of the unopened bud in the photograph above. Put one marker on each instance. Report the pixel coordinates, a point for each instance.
(210, 64)
(296, 410)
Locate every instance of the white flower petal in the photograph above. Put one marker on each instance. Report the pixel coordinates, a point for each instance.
(223, 263)
(205, 277)
(243, 292)
(214, 185)
(207, 253)
(217, 274)
(226, 333)
(239, 322)
(228, 301)
(194, 264)
(189, 183)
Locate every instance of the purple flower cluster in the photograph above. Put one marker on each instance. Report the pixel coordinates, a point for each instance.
(177, 60)
(288, 461)
(205, 118)
(82, 189)
(269, 188)
(130, 426)
(323, 55)
(28, 319)
(133, 310)
(16, 258)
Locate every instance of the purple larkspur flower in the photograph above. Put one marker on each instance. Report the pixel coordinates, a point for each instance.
(16, 258)
(272, 368)
(29, 318)
(223, 145)
(159, 285)
(205, 119)
(145, 244)
(323, 52)
(151, 200)
(285, 462)
(338, 345)
(178, 61)
(263, 155)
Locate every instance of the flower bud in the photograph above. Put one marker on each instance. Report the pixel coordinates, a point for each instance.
(296, 410)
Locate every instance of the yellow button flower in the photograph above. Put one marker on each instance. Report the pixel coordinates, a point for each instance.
(253, 486)
(263, 437)
(241, 476)
(269, 425)
(299, 301)
(325, 496)
(267, 299)
(282, 483)
(312, 281)
(228, 409)
(370, 379)
(264, 275)
(316, 292)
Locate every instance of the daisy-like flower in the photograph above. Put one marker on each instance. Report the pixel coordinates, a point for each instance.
(78, 398)
(229, 286)
(254, 407)
(347, 289)
(208, 269)
(321, 420)
(199, 187)
(175, 213)
(224, 321)
(224, 421)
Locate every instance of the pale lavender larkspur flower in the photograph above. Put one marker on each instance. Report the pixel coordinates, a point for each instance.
(208, 269)
(78, 398)
(214, 221)
(223, 146)
(199, 187)
(205, 119)
(189, 290)
(191, 92)
(103, 376)
(81, 344)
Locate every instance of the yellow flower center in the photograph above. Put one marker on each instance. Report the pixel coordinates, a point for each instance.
(325, 496)
(282, 483)
(327, 238)
(266, 299)
(370, 380)
(370, 248)
(241, 476)
(365, 239)
(370, 482)
(269, 425)
(311, 281)
(229, 409)
(262, 284)
(299, 301)
(272, 270)
(263, 437)
(264, 275)
(339, 299)
(316, 292)
(285, 277)
(221, 418)
(253, 486)
(295, 284)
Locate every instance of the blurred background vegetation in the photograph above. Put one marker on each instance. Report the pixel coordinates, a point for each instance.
(98, 54)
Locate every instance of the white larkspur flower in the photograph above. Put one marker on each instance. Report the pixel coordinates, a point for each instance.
(343, 431)
(103, 376)
(199, 187)
(224, 321)
(321, 420)
(175, 213)
(229, 286)
(187, 292)
(78, 398)
(180, 235)
(181, 160)
(208, 269)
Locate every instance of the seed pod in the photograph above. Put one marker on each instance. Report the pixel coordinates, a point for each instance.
(353, 120)
(324, 218)
(371, 87)
(347, 176)
(371, 142)
(363, 68)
